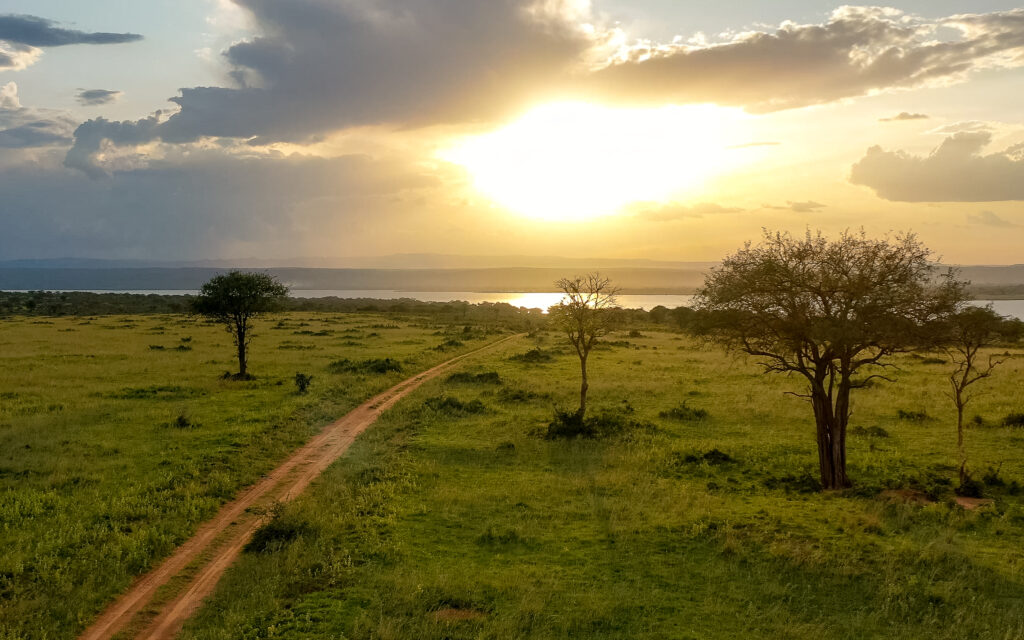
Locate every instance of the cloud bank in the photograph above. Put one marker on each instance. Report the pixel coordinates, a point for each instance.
(957, 171)
(320, 66)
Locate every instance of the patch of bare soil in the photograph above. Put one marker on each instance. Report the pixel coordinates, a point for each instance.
(972, 504)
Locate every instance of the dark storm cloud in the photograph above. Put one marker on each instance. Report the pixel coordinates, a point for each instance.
(97, 97)
(859, 50)
(957, 171)
(197, 206)
(40, 32)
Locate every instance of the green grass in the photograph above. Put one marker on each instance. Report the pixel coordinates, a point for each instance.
(448, 523)
(118, 437)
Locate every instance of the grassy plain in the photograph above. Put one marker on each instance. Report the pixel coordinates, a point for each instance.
(454, 518)
(118, 437)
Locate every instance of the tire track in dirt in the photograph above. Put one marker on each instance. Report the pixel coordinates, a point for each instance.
(284, 483)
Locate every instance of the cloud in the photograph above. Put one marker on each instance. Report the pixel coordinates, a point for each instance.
(666, 212)
(806, 206)
(989, 219)
(40, 32)
(206, 203)
(320, 66)
(96, 97)
(857, 52)
(965, 126)
(22, 36)
(957, 171)
(24, 128)
(905, 115)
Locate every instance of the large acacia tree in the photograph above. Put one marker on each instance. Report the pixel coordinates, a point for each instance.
(235, 299)
(583, 315)
(831, 311)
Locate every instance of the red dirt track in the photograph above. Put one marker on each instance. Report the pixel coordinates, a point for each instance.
(219, 541)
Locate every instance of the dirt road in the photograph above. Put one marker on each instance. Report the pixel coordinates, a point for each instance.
(208, 553)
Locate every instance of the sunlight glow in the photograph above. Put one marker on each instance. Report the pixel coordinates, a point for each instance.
(574, 161)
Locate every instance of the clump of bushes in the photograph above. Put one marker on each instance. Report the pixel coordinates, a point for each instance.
(533, 356)
(604, 424)
(713, 457)
(372, 365)
(283, 528)
(302, 382)
(463, 377)
(520, 395)
(636, 334)
(685, 413)
(454, 406)
(450, 343)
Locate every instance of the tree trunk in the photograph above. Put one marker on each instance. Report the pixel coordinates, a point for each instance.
(583, 387)
(831, 430)
(961, 449)
(240, 336)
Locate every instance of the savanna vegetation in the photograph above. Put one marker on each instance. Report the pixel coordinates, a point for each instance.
(611, 474)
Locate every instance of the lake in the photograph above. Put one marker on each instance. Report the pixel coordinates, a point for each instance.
(543, 300)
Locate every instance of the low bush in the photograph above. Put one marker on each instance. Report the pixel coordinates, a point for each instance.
(870, 432)
(284, 527)
(912, 416)
(454, 406)
(463, 377)
(533, 356)
(1014, 420)
(685, 413)
(604, 424)
(372, 365)
(302, 382)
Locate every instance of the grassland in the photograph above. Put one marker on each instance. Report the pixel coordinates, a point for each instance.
(118, 437)
(455, 518)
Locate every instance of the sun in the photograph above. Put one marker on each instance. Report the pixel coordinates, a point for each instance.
(575, 161)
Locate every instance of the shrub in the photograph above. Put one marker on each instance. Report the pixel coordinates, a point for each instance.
(1014, 420)
(462, 377)
(713, 457)
(283, 528)
(568, 424)
(636, 334)
(372, 365)
(533, 356)
(685, 413)
(871, 432)
(912, 416)
(795, 483)
(184, 422)
(519, 395)
(302, 382)
(454, 406)
(970, 488)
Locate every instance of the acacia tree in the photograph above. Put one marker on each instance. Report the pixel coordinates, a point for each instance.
(969, 331)
(583, 315)
(831, 311)
(235, 299)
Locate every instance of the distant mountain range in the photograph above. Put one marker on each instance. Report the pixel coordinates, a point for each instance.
(414, 272)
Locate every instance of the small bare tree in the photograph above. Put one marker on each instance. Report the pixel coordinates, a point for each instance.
(969, 332)
(583, 316)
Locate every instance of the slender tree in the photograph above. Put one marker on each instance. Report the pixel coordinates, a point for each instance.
(235, 299)
(831, 311)
(583, 315)
(969, 332)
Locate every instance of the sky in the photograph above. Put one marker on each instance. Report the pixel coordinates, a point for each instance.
(235, 129)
